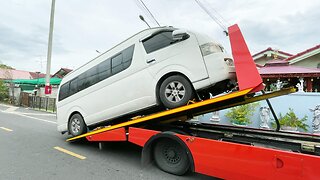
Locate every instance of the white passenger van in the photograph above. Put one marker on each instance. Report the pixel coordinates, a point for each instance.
(161, 66)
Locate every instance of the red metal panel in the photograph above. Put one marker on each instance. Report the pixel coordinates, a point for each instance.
(113, 135)
(47, 89)
(235, 161)
(246, 70)
(140, 136)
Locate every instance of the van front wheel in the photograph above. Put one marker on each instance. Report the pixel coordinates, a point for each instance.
(175, 91)
(76, 125)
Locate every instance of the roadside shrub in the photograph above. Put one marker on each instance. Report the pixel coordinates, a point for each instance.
(4, 93)
(241, 115)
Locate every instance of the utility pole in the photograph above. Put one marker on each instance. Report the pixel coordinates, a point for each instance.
(47, 85)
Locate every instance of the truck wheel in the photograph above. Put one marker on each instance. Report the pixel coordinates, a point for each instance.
(77, 125)
(175, 91)
(171, 157)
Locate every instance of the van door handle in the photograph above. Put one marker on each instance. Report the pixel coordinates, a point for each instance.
(151, 60)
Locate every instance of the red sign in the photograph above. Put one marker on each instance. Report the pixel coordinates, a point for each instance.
(47, 89)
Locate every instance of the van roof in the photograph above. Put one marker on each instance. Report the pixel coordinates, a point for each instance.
(152, 30)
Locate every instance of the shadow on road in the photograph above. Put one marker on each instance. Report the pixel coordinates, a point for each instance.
(128, 154)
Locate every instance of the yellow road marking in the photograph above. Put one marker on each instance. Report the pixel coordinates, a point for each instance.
(70, 153)
(6, 129)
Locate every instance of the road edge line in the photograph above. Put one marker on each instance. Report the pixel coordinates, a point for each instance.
(19, 114)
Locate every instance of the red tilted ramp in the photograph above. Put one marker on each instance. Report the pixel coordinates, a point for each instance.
(246, 70)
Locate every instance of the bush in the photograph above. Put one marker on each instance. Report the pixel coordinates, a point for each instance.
(4, 93)
(241, 115)
(291, 120)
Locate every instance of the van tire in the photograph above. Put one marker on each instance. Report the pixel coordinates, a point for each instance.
(76, 125)
(175, 91)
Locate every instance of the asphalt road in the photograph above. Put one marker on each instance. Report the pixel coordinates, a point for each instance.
(32, 148)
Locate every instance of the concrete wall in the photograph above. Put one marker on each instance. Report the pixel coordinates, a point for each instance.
(16, 93)
(299, 102)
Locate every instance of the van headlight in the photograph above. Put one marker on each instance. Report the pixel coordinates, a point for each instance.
(229, 61)
(210, 48)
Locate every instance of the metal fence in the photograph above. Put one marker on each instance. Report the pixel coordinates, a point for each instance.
(42, 103)
(36, 102)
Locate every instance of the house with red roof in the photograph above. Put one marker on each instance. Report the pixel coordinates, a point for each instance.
(308, 58)
(8, 74)
(11, 74)
(304, 67)
(61, 72)
(37, 75)
(262, 57)
(290, 75)
(16, 89)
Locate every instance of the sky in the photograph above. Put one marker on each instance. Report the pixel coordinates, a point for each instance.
(82, 27)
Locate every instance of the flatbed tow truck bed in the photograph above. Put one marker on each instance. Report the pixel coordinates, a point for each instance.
(177, 145)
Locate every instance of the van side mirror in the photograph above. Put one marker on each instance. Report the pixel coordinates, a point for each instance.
(178, 35)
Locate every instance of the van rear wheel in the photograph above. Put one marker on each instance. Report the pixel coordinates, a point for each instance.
(76, 125)
(175, 91)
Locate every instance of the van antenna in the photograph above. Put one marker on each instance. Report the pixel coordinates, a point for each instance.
(142, 19)
(149, 12)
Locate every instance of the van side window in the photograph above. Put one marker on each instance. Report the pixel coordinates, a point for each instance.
(116, 64)
(73, 86)
(158, 41)
(82, 82)
(127, 57)
(87, 78)
(104, 69)
(98, 73)
(122, 61)
(64, 91)
(92, 76)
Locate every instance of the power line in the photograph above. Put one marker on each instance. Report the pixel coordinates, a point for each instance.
(144, 11)
(215, 11)
(138, 3)
(217, 20)
(148, 11)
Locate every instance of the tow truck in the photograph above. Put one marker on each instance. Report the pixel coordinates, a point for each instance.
(177, 145)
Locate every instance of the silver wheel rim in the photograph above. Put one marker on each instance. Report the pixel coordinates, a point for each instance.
(175, 91)
(75, 125)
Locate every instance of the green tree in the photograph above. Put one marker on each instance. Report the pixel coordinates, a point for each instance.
(4, 93)
(290, 119)
(3, 66)
(241, 115)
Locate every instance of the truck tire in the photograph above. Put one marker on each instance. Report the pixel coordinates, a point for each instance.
(76, 125)
(171, 157)
(175, 91)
